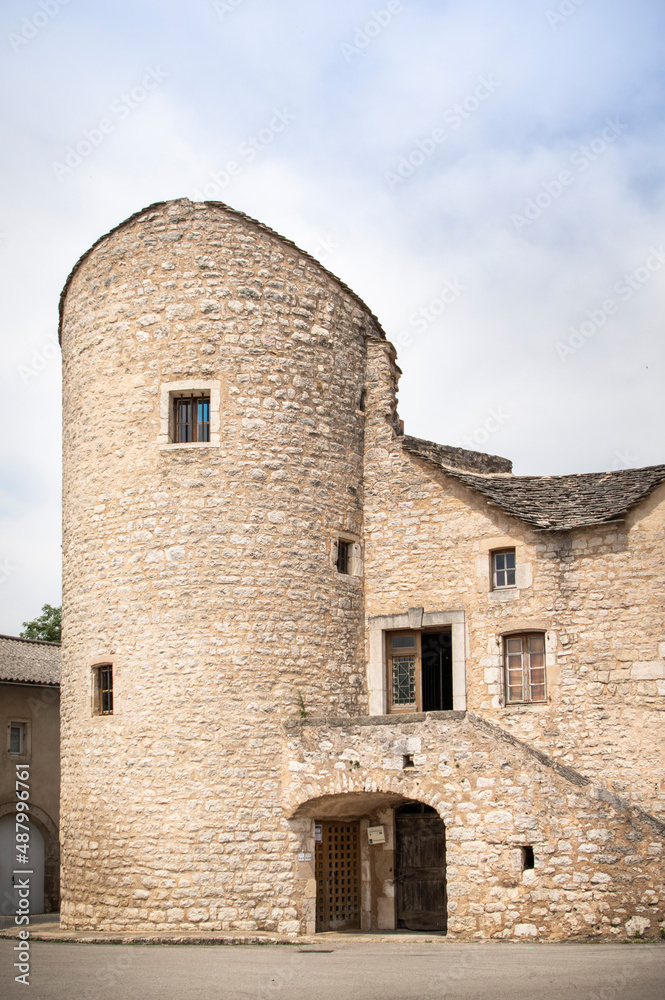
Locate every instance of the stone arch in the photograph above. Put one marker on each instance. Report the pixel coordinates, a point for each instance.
(49, 832)
(383, 786)
(370, 808)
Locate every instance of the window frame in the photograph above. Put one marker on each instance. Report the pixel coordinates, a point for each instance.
(25, 725)
(353, 564)
(526, 667)
(509, 550)
(15, 724)
(344, 556)
(414, 618)
(194, 426)
(189, 389)
(415, 706)
(392, 707)
(102, 685)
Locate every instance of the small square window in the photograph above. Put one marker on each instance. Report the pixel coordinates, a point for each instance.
(503, 569)
(191, 419)
(103, 690)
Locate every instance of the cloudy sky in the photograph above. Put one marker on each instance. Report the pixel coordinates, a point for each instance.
(488, 176)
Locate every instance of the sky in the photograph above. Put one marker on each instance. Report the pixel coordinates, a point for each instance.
(487, 176)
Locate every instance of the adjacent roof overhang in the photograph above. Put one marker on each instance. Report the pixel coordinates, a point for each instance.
(550, 503)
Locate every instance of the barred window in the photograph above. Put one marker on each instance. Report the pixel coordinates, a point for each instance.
(503, 569)
(347, 556)
(524, 657)
(191, 419)
(103, 689)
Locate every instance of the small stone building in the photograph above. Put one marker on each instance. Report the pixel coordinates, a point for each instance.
(30, 721)
(319, 674)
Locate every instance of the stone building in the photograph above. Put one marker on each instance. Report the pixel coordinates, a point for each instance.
(318, 674)
(30, 721)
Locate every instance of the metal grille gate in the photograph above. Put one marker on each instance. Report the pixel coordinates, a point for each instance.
(338, 877)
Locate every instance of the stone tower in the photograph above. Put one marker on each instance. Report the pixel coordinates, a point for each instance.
(214, 385)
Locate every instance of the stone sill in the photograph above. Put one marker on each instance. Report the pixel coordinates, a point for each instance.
(191, 446)
(504, 595)
(374, 720)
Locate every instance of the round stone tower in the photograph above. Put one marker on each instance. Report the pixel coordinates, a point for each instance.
(213, 439)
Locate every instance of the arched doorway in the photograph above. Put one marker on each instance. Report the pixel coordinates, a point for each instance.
(420, 868)
(9, 865)
(377, 861)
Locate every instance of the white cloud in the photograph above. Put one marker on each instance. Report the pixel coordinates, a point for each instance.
(321, 183)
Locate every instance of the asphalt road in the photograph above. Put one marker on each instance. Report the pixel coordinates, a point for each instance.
(352, 970)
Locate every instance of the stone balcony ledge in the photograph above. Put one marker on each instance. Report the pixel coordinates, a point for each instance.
(395, 719)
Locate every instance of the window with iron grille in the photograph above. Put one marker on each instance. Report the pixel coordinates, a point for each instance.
(524, 657)
(103, 694)
(191, 419)
(419, 665)
(503, 569)
(404, 681)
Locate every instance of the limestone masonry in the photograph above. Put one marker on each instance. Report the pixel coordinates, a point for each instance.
(318, 674)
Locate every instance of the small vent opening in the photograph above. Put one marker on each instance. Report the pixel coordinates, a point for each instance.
(527, 859)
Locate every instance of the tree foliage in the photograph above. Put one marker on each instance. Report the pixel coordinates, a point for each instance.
(46, 626)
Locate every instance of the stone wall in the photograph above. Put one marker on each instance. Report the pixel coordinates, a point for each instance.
(598, 864)
(598, 592)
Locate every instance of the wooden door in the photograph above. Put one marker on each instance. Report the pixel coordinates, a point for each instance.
(338, 877)
(420, 869)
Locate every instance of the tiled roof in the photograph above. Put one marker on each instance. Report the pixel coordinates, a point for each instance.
(557, 503)
(29, 661)
(459, 458)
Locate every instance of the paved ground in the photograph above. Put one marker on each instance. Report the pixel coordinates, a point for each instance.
(339, 969)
